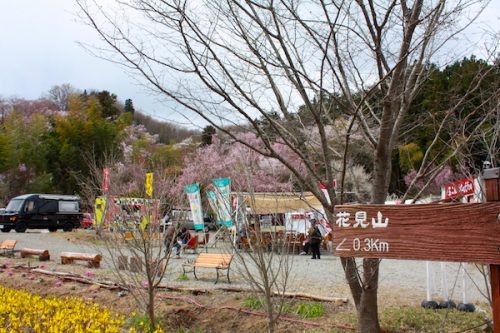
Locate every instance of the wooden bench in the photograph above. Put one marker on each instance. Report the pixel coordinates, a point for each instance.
(94, 260)
(210, 260)
(7, 246)
(43, 255)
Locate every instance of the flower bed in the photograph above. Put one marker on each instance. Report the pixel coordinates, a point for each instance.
(24, 312)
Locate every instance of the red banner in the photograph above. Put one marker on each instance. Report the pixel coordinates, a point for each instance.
(105, 180)
(459, 188)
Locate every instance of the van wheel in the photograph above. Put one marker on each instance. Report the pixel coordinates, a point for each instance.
(6, 230)
(52, 229)
(21, 227)
(68, 227)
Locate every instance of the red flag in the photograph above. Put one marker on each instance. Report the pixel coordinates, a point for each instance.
(105, 180)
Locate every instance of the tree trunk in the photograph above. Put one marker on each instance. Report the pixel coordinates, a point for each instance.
(151, 307)
(368, 307)
(351, 275)
(270, 313)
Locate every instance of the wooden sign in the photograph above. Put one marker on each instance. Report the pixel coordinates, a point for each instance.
(459, 188)
(445, 232)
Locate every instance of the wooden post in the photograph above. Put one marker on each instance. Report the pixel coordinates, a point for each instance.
(135, 264)
(492, 192)
(495, 294)
(122, 262)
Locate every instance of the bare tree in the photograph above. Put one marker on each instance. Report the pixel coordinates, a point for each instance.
(60, 95)
(293, 66)
(130, 228)
(262, 256)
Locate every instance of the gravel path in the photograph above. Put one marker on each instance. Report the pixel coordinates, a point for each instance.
(402, 282)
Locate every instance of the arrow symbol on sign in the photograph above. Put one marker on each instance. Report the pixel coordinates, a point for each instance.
(338, 248)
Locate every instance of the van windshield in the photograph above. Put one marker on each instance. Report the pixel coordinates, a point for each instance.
(14, 206)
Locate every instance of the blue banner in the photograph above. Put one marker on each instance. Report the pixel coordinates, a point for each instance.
(223, 193)
(193, 193)
(212, 200)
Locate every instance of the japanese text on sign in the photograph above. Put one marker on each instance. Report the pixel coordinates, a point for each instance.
(459, 188)
(360, 220)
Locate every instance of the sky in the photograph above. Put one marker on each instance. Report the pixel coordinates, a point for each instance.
(39, 48)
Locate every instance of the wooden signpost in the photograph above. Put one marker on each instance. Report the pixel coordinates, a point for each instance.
(443, 232)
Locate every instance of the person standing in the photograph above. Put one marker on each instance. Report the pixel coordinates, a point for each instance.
(182, 240)
(314, 239)
(169, 238)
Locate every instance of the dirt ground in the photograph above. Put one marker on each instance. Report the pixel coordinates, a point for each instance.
(216, 311)
(213, 311)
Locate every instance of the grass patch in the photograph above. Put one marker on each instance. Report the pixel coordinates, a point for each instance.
(287, 308)
(253, 302)
(183, 277)
(412, 319)
(310, 310)
(140, 322)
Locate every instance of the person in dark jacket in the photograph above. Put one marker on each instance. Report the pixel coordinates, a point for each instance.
(182, 239)
(314, 239)
(169, 239)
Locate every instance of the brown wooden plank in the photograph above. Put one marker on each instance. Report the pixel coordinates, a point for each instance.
(495, 293)
(445, 232)
(206, 265)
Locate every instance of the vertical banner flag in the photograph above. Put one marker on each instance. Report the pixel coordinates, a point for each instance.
(193, 193)
(325, 191)
(223, 192)
(212, 200)
(149, 184)
(105, 180)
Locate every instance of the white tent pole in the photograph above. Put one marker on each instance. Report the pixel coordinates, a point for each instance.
(444, 280)
(428, 271)
(464, 286)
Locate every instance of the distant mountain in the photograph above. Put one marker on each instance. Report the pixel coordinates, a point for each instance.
(167, 132)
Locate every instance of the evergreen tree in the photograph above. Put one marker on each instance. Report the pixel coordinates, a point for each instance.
(129, 106)
(206, 135)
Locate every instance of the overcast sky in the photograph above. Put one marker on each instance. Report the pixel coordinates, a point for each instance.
(39, 48)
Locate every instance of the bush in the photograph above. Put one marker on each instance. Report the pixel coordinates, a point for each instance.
(310, 310)
(253, 302)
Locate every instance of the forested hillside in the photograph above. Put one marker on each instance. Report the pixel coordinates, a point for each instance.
(58, 143)
(55, 143)
(167, 133)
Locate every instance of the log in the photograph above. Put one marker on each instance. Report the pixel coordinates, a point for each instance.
(94, 260)
(336, 300)
(79, 278)
(43, 255)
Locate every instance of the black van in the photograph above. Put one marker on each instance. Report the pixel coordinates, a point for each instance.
(41, 211)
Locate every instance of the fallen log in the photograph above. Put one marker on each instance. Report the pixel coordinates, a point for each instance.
(93, 259)
(336, 300)
(81, 279)
(114, 286)
(43, 255)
